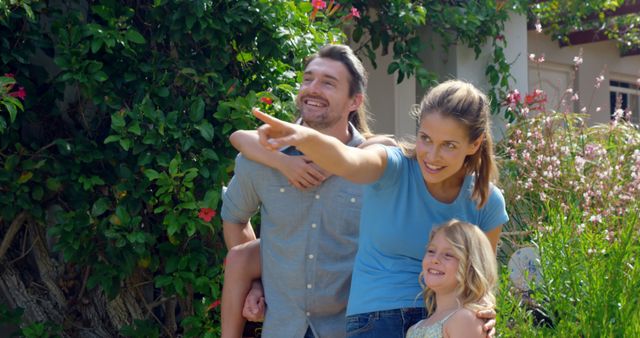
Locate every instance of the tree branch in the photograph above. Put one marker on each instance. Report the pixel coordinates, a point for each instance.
(11, 233)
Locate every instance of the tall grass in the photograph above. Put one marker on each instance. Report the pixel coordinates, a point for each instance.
(573, 192)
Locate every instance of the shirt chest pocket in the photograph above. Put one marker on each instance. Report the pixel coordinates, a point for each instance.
(343, 209)
(285, 203)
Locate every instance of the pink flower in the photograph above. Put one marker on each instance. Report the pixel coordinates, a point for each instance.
(355, 12)
(318, 4)
(514, 97)
(20, 93)
(206, 214)
(11, 75)
(266, 100)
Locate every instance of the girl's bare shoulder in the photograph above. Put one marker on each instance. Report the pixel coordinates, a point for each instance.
(464, 323)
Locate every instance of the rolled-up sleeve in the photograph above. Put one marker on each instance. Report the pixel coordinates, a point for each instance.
(240, 199)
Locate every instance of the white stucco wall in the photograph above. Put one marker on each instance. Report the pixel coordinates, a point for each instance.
(389, 102)
(597, 57)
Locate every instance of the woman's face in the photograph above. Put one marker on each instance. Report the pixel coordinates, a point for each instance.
(442, 144)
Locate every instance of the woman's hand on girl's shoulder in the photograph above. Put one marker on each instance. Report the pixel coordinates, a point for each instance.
(464, 323)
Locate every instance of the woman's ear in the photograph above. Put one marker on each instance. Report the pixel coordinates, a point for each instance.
(475, 145)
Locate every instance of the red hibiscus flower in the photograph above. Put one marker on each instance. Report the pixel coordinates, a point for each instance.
(206, 214)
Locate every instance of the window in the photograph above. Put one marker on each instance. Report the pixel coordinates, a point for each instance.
(626, 96)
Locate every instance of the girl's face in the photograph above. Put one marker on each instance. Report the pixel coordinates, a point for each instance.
(440, 265)
(442, 144)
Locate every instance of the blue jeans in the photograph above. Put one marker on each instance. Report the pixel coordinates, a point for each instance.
(384, 324)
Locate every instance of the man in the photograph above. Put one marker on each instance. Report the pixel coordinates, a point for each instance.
(308, 237)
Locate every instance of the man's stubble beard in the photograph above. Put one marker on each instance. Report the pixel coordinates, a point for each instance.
(324, 122)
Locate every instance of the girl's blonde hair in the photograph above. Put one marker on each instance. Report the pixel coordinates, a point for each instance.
(466, 104)
(477, 273)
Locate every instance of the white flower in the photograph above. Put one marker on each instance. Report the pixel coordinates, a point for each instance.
(577, 60)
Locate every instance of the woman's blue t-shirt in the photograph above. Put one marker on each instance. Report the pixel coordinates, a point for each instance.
(397, 216)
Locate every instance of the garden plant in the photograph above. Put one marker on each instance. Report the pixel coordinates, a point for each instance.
(573, 194)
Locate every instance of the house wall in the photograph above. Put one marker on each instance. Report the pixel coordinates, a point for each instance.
(557, 73)
(390, 103)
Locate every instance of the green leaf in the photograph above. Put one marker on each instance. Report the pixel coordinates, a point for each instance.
(191, 229)
(188, 71)
(53, 184)
(96, 43)
(209, 154)
(196, 112)
(188, 205)
(99, 207)
(125, 144)
(173, 166)
(12, 112)
(117, 121)
(134, 128)
(211, 199)
(172, 264)
(393, 66)
(37, 192)
(244, 57)
(163, 91)
(135, 37)
(151, 174)
(206, 130)
(100, 76)
(25, 177)
(112, 138)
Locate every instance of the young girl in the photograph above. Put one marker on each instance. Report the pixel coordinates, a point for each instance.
(447, 173)
(459, 274)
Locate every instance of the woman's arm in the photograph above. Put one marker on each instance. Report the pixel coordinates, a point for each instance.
(354, 164)
(494, 237)
(300, 172)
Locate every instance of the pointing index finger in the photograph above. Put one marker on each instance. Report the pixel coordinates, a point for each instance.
(268, 119)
